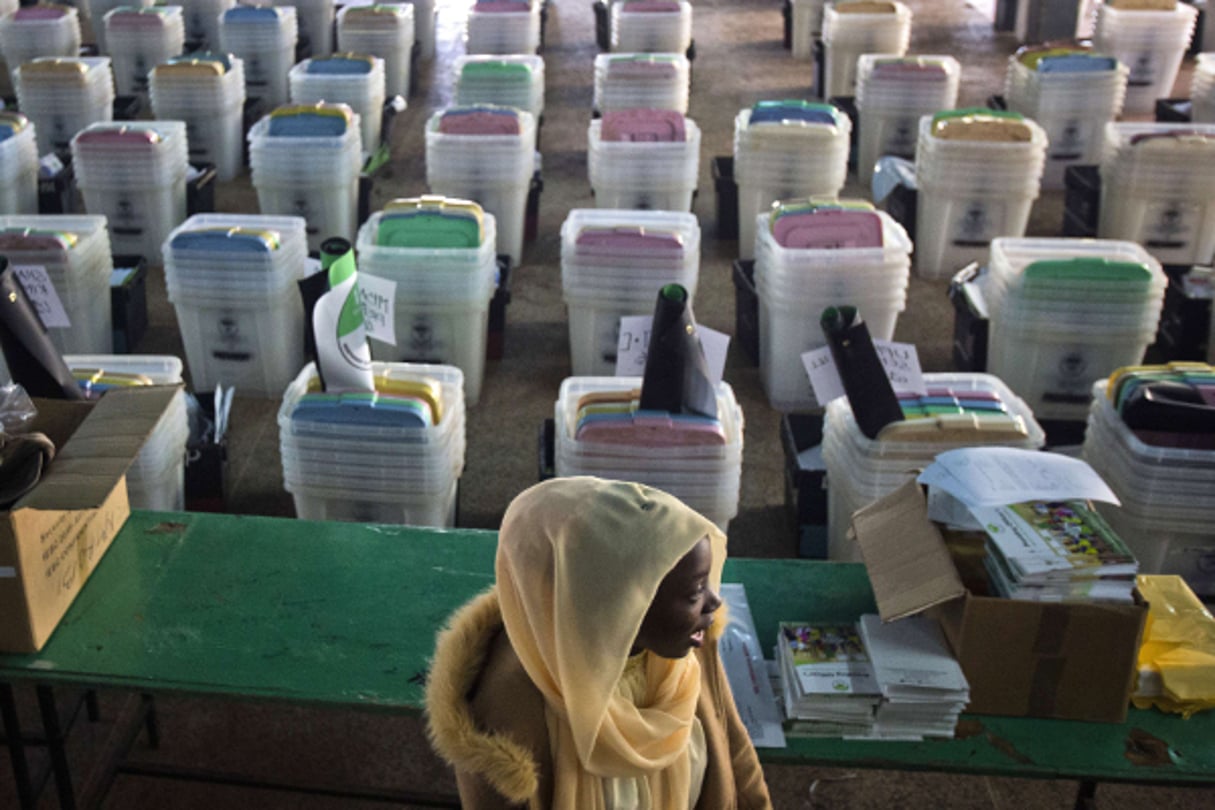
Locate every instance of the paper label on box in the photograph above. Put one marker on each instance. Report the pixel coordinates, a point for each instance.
(42, 294)
(901, 361)
(634, 340)
(378, 297)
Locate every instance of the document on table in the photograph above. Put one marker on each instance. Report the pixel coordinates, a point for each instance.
(997, 476)
(746, 671)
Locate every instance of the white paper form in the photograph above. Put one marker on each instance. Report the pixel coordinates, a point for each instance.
(747, 673)
(998, 476)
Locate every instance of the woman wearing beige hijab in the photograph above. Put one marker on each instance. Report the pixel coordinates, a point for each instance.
(587, 677)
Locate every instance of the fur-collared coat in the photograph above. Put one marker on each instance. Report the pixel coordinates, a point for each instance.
(486, 718)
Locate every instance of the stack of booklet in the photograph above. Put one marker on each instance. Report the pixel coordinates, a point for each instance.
(870, 679)
(1054, 551)
(922, 685)
(827, 680)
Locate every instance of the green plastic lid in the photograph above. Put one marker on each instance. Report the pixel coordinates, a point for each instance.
(1087, 269)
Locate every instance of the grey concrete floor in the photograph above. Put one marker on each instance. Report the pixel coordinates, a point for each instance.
(739, 59)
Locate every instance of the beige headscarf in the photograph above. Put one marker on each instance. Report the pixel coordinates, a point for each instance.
(579, 562)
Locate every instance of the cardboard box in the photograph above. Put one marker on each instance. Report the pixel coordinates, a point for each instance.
(1071, 660)
(52, 539)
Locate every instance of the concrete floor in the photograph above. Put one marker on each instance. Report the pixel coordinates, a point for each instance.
(739, 59)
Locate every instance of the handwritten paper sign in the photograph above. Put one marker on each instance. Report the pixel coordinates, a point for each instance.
(42, 294)
(635, 342)
(900, 360)
(378, 297)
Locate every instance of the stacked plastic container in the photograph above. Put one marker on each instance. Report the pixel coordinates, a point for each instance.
(861, 470)
(786, 158)
(651, 26)
(207, 93)
(807, 25)
(705, 477)
(265, 38)
(63, 96)
(1158, 189)
(613, 263)
(441, 313)
(315, 176)
(42, 30)
(203, 21)
(156, 479)
(1066, 312)
(356, 81)
(659, 175)
(232, 281)
(134, 173)
(139, 40)
(386, 31)
(494, 170)
(1202, 89)
(1151, 43)
(658, 81)
(975, 183)
(509, 81)
(18, 165)
(1072, 106)
(1167, 513)
(795, 285)
(315, 24)
(503, 26)
(403, 474)
(851, 29)
(892, 92)
(96, 11)
(72, 253)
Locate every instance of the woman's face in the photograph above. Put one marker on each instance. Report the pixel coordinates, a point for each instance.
(682, 609)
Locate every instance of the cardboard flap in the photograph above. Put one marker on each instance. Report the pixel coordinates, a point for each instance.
(98, 454)
(909, 565)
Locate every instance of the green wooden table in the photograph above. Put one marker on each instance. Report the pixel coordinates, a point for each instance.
(344, 615)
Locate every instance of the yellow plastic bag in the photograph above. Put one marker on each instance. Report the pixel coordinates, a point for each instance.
(1177, 655)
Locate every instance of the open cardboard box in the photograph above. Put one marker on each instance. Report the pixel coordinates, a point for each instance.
(54, 536)
(1070, 660)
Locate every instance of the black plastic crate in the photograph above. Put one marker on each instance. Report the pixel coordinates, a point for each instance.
(847, 105)
(746, 310)
(200, 190)
(969, 323)
(496, 329)
(1081, 200)
(805, 481)
(1174, 111)
(128, 302)
(727, 196)
(546, 450)
(1185, 320)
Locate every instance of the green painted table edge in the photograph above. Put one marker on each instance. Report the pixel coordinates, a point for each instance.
(344, 615)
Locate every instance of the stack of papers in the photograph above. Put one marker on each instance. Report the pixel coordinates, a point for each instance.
(1054, 551)
(922, 686)
(827, 680)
